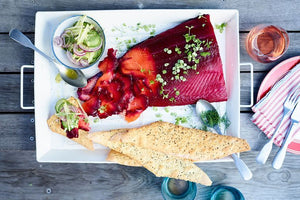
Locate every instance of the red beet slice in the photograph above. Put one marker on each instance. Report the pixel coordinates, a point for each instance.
(85, 93)
(136, 107)
(91, 106)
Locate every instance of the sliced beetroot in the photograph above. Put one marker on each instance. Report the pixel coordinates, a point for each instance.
(85, 93)
(72, 133)
(125, 90)
(140, 63)
(136, 107)
(110, 62)
(107, 109)
(84, 125)
(91, 106)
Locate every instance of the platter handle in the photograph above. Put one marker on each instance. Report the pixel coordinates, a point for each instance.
(251, 86)
(22, 89)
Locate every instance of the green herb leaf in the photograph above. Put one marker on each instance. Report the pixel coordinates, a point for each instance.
(221, 27)
(211, 118)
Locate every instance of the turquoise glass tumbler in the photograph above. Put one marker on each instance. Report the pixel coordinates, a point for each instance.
(226, 193)
(172, 189)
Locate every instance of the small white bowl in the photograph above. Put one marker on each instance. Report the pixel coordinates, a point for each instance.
(60, 54)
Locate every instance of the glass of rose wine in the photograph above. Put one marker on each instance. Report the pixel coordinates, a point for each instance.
(267, 43)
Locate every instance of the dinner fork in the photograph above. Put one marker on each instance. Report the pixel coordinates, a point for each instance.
(279, 158)
(288, 105)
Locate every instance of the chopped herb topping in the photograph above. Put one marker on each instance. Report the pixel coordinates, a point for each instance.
(172, 99)
(158, 115)
(180, 120)
(151, 82)
(204, 54)
(124, 29)
(96, 120)
(155, 108)
(173, 114)
(221, 27)
(194, 50)
(210, 117)
(102, 109)
(224, 119)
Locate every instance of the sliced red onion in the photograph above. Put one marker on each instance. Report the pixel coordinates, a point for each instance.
(66, 33)
(84, 62)
(88, 49)
(70, 57)
(58, 41)
(77, 51)
(63, 118)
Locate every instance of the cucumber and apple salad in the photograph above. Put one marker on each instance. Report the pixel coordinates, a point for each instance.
(82, 42)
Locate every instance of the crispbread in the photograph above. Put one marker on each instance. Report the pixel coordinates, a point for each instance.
(54, 124)
(162, 165)
(122, 159)
(192, 144)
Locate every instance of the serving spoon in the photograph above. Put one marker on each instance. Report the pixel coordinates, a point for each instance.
(74, 77)
(204, 106)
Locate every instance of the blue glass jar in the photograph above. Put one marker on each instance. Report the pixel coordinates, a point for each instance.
(172, 189)
(226, 193)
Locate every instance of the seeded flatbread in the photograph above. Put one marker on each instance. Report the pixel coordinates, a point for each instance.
(122, 159)
(54, 124)
(188, 143)
(160, 164)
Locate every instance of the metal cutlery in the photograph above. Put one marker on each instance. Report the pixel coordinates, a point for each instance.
(279, 158)
(202, 106)
(289, 105)
(74, 77)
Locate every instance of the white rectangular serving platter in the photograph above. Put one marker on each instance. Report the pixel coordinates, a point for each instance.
(51, 147)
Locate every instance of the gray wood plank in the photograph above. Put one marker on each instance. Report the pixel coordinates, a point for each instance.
(21, 14)
(17, 132)
(23, 178)
(13, 55)
(10, 92)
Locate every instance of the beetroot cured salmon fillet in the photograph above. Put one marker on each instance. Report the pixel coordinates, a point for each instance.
(185, 60)
(176, 67)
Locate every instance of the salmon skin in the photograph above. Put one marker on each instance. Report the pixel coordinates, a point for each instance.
(205, 80)
(176, 67)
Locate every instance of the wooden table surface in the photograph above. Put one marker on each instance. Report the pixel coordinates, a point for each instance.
(22, 177)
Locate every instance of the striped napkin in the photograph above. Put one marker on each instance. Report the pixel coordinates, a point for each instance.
(269, 110)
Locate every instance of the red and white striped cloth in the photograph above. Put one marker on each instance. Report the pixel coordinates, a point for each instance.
(269, 110)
